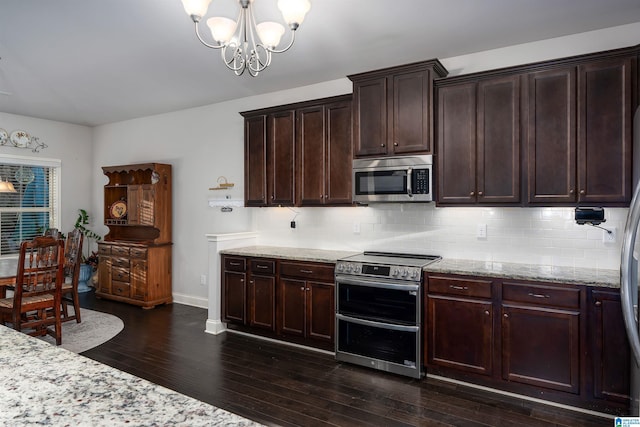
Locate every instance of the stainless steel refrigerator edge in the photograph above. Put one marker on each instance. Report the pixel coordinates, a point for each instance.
(629, 273)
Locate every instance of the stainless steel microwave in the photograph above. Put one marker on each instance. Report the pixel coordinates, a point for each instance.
(393, 179)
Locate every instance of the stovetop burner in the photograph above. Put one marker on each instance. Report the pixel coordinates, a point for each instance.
(398, 266)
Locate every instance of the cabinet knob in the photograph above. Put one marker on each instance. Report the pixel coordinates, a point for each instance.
(479, 193)
(382, 145)
(598, 303)
(321, 196)
(273, 197)
(486, 312)
(395, 144)
(473, 193)
(571, 191)
(302, 288)
(506, 315)
(583, 192)
(251, 281)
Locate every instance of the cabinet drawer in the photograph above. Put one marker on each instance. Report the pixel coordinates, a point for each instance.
(121, 289)
(262, 266)
(120, 250)
(459, 286)
(234, 264)
(120, 262)
(138, 252)
(307, 271)
(120, 274)
(104, 250)
(541, 295)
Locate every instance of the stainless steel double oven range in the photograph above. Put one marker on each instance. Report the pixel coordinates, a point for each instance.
(379, 310)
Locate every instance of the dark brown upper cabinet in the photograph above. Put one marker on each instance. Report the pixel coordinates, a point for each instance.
(580, 132)
(558, 132)
(299, 154)
(324, 147)
(479, 141)
(392, 109)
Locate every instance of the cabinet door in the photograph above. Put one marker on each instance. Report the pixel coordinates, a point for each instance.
(311, 142)
(541, 347)
(460, 334)
(255, 150)
(338, 185)
(138, 279)
(498, 140)
(370, 116)
(610, 348)
(605, 93)
(410, 120)
(281, 158)
(457, 144)
(551, 136)
(104, 274)
(141, 205)
(292, 296)
(262, 302)
(234, 297)
(320, 311)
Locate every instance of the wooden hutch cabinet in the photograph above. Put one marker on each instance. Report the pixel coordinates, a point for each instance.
(135, 256)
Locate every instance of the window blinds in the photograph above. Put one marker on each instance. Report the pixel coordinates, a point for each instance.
(35, 205)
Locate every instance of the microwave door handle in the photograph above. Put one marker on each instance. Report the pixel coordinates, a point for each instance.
(409, 175)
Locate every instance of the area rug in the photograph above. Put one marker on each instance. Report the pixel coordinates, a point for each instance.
(96, 328)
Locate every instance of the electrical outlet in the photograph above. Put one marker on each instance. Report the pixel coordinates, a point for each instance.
(609, 237)
(482, 231)
(203, 279)
(356, 228)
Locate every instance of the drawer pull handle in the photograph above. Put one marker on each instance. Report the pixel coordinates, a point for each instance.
(234, 263)
(531, 294)
(306, 271)
(459, 288)
(262, 266)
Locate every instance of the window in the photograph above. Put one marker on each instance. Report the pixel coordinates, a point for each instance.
(35, 205)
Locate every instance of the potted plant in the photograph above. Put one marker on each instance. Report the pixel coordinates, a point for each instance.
(90, 260)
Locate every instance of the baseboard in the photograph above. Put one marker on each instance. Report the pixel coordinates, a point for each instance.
(190, 300)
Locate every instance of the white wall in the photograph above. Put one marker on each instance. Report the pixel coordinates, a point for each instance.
(207, 142)
(72, 144)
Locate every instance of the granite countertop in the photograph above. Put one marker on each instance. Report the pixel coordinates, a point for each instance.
(298, 254)
(541, 273)
(42, 384)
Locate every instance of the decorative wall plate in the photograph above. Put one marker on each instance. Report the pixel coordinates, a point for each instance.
(20, 138)
(4, 136)
(118, 210)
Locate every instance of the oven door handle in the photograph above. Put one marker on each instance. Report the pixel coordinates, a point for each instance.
(374, 284)
(402, 328)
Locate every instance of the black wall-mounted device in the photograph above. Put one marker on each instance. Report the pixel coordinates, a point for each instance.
(592, 216)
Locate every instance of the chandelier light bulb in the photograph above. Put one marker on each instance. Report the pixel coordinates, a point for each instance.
(222, 29)
(270, 33)
(294, 11)
(197, 8)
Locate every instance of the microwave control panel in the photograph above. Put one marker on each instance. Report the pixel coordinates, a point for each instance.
(420, 182)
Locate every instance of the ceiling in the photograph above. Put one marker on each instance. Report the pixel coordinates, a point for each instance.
(97, 62)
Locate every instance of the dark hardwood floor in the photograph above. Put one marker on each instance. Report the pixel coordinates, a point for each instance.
(276, 384)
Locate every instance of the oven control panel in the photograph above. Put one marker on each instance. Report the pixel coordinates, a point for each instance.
(379, 270)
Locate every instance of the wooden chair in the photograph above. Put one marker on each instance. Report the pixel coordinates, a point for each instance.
(72, 262)
(35, 305)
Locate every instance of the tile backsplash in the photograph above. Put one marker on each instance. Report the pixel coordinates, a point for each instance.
(547, 236)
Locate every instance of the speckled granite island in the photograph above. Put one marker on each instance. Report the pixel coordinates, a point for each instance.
(539, 273)
(45, 385)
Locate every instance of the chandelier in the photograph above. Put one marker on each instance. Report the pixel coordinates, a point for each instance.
(245, 46)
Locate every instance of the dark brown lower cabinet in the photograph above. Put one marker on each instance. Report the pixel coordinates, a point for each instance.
(609, 347)
(307, 307)
(560, 342)
(293, 301)
(460, 324)
(541, 347)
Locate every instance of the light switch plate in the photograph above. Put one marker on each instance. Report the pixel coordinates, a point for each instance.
(482, 231)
